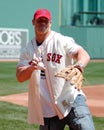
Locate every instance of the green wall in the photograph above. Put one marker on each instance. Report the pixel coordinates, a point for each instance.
(91, 38)
(19, 13)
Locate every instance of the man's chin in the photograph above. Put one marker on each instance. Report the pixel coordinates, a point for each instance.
(42, 32)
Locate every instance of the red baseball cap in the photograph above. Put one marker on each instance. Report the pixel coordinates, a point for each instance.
(42, 13)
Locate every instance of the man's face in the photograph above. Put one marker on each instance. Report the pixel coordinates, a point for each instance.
(42, 25)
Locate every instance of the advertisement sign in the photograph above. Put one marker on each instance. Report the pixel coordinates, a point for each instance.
(11, 42)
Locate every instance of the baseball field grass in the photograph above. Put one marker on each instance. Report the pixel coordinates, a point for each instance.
(14, 117)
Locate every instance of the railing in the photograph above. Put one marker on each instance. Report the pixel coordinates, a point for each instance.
(88, 18)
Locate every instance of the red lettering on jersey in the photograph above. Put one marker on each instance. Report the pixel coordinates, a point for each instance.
(48, 56)
(58, 58)
(54, 57)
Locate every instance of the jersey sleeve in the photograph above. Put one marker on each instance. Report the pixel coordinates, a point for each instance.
(71, 47)
(25, 56)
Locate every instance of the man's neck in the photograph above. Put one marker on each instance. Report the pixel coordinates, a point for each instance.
(41, 37)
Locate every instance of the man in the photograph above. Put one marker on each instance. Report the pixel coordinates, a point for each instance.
(47, 53)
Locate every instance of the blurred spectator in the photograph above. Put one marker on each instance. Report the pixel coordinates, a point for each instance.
(96, 21)
(76, 20)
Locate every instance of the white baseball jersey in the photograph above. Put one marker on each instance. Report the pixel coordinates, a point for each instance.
(56, 94)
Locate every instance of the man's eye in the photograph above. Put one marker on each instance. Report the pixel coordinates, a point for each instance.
(42, 21)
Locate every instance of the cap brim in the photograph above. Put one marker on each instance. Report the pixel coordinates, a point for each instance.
(39, 16)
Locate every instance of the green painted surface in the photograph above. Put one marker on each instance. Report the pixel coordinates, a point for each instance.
(91, 38)
(19, 13)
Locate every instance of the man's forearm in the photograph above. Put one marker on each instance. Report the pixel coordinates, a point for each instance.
(24, 73)
(82, 57)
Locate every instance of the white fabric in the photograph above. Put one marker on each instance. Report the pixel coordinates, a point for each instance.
(56, 52)
(67, 97)
(46, 102)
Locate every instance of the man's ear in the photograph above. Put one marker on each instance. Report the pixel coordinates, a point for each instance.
(50, 23)
(33, 22)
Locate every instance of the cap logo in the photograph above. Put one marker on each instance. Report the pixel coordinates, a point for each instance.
(43, 12)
